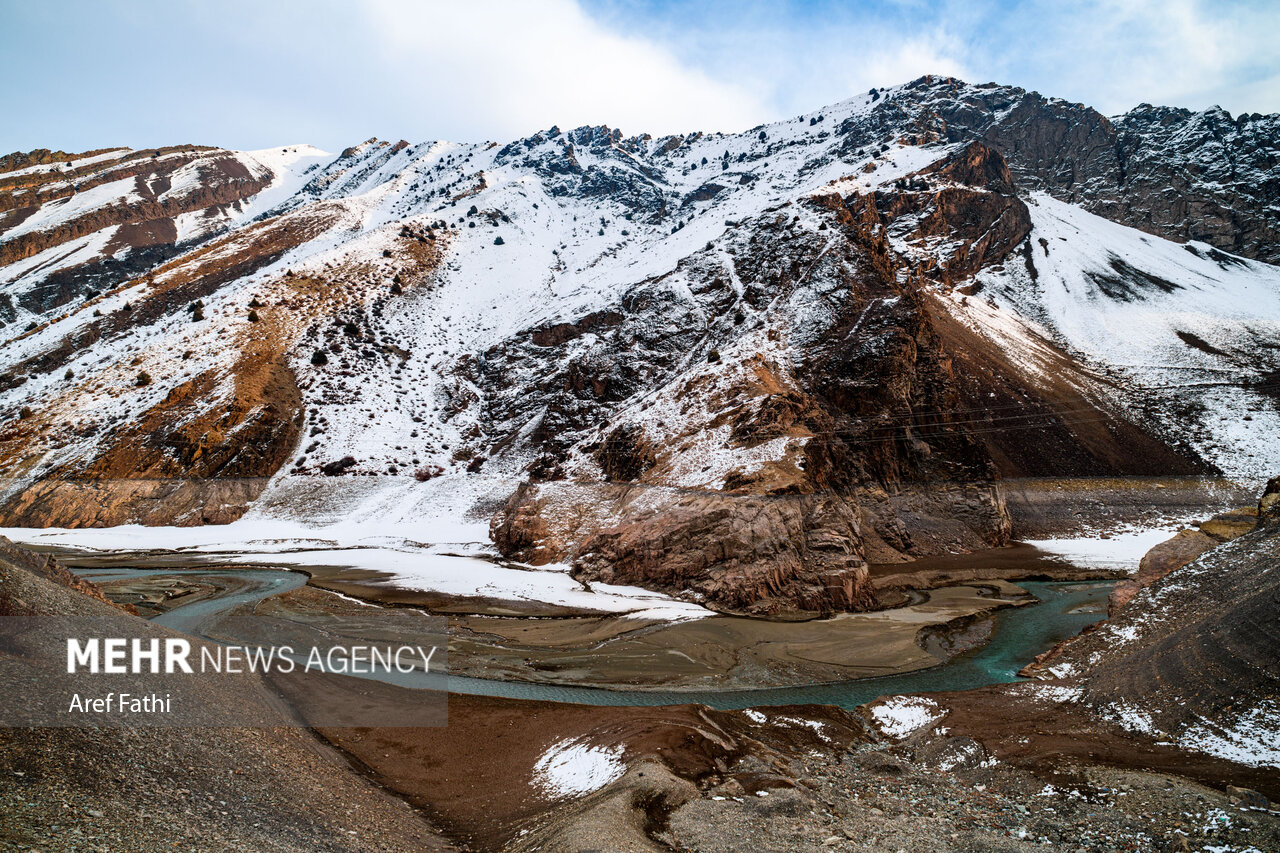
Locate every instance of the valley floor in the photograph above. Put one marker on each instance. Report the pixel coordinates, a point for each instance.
(1004, 768)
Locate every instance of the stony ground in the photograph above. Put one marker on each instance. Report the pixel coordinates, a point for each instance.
(251, 790)
(873, 799)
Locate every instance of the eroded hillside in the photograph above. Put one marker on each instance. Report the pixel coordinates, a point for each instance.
(730, 367)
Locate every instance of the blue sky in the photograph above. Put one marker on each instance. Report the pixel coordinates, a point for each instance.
(95, 73)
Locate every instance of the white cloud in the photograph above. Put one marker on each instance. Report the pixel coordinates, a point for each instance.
(525, 66)
(333, 72)
(899, 61)
(1114, 54)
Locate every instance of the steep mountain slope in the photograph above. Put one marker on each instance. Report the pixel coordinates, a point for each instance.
(1190, 658)
(731, 367)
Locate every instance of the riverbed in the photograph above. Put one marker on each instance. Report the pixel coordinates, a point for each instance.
(924, 646)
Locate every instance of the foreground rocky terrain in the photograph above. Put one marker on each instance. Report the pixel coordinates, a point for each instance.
(735, 369)
(213, 787)
(1156, 738)
(1150, 732)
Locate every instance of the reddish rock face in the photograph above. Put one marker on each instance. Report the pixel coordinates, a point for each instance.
(205, 451)
(1185, 547)
(145, 222)
(757, 554)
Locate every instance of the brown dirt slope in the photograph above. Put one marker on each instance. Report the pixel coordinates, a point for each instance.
(149, 789)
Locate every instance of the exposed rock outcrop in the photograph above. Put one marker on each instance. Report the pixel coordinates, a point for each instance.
(1183, 548)
(766, 555)
(1164, 558)
(1183, 175)
(48, 567)
(1269, 503)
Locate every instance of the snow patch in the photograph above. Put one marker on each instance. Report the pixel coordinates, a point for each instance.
(899, 716)
(1253, 739)
(1058, 694)
(1130, 717)
(1122, 549)
(401, 561)
(573, 768)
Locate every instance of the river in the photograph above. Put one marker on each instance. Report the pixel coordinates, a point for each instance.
(1020, 633)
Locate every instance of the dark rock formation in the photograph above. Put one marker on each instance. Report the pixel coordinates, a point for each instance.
(1269, 503)
(1181, 175)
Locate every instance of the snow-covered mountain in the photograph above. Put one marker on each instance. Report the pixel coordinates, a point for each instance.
(730, 367)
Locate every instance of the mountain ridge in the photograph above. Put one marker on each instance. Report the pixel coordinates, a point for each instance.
(818, 341)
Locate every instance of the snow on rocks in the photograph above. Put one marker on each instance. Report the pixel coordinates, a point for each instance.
(1056, 694)
(571, 768)
(899, 716)
(1252, 738)
(1129, 716)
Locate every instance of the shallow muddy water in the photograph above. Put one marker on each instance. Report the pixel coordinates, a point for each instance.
(1020, 633)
